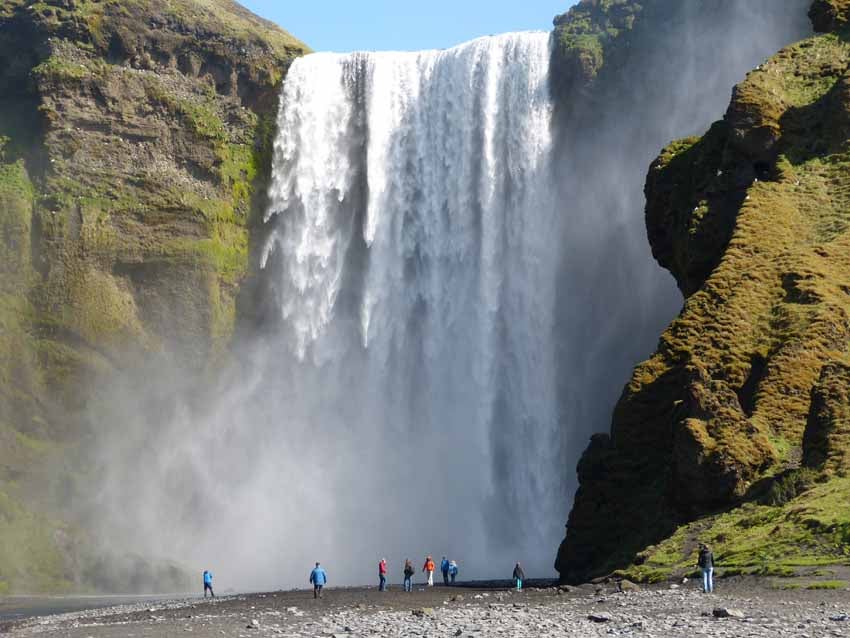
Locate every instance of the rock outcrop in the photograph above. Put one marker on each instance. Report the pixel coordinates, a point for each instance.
(753, 221)
(135, 139)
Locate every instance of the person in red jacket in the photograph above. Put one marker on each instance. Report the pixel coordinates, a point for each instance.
(382, 575)
(428, 568)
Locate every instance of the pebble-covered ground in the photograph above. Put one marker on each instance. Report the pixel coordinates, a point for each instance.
(751, 608)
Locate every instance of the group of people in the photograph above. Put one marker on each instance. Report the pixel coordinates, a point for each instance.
(449, 569)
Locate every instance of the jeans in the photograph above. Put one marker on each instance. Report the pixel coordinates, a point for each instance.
(430, 579)
(446, 577)
(317, 591)
(383, 585)
(519, 584)
(708, 579)
(408, 583)
(453, 577)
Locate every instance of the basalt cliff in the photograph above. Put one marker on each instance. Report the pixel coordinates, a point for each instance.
(734, 432)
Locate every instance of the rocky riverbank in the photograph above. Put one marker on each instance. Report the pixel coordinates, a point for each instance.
(742, 607)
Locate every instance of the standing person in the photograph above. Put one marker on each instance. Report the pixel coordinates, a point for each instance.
(706, 563)
(429, 569)
(318, 578)
(444, 567)
(208, 583)
(519, 576)
(453, 570)
(382, 575)
(408, 575)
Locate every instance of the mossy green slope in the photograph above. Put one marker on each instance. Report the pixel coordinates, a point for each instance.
(750, 379)
(135, 142)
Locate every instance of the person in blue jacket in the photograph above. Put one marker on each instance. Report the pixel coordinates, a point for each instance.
(318, 578)
(444, 567)
(208, 583)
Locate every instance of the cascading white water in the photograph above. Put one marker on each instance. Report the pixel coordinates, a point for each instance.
(415, 247)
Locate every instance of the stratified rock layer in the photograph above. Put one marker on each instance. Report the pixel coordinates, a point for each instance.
(752, 221)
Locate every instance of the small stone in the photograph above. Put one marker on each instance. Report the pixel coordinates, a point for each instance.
(599, 617)
(627, 586)
(727, 612)
(423, 611)
(838, 617)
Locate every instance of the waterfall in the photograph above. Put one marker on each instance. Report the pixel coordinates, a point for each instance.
(456, 289)
(413, 255)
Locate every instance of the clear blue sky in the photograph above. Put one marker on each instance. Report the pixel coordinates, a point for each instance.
(353, 25)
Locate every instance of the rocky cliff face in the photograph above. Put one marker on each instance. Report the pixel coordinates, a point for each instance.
(134, 147)
(733, 432)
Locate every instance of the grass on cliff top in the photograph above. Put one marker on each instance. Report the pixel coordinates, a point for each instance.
(225, 17)
(239, 22)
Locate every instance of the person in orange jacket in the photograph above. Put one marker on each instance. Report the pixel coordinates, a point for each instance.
(429, 569)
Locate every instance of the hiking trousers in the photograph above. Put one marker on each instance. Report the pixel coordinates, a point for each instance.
(708, 579)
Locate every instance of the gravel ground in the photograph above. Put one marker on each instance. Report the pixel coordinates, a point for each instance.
(752, 608)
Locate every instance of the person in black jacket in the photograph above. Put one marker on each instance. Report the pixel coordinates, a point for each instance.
(408, 575)
(706, 563)
(519, 576)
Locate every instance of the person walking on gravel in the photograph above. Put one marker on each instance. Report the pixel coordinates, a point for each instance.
(453, 570)
(208, 583)
(382, 575)
(444, 568)
(706, 563)
(408, 575)
(318, 578)
(428, 568)
(519, 576)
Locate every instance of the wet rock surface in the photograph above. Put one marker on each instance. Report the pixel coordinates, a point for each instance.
(758, 610)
